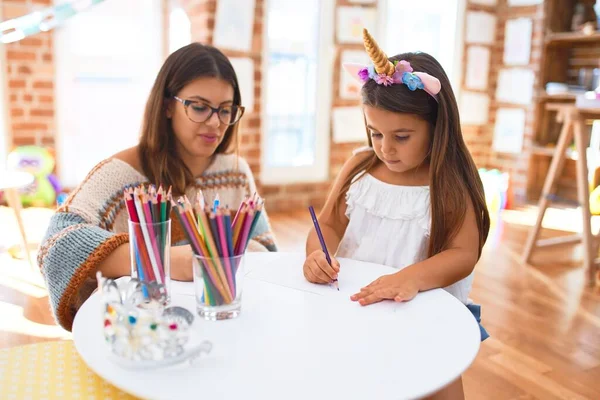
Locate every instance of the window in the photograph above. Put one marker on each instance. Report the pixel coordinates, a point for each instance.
(101, 84)
(298, 47)
(180, 28)
(430, 26)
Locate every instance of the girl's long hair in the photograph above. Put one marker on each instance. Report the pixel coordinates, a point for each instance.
(453, 176)
(159, 160)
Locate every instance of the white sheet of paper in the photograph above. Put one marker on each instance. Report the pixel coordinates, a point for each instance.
(352, 20)
(474, 108)
(287, 271)
(233, 24)
(509, 129)
(514, 3)
(481, 27)
(244, 69)
(515, 85)
(348, 125)
(349, 86)
(478, 67)
(517, 41)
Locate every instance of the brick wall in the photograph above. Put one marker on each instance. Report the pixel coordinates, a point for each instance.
(202, 15)
(30, 88)
(517, 164)
(479, 138)
(340, 152)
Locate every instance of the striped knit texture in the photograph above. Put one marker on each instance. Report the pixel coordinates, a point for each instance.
(93, 222)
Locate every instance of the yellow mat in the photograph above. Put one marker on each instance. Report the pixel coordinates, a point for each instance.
(51, 370)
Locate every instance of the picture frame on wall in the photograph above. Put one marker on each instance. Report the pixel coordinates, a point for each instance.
(350, 22)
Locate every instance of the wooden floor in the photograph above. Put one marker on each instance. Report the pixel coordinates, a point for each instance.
(543, 320)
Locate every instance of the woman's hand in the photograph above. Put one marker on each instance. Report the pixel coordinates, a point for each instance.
(317, 269)
(181, 263)
(398, 287)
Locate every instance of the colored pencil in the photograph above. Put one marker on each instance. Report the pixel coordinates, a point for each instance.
(322, 240)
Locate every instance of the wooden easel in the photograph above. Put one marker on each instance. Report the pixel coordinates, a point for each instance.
(573, 123)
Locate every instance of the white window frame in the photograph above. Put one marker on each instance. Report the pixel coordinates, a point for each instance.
(319, 170)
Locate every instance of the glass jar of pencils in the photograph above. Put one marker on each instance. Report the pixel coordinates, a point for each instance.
(218, 283)
(150, 250)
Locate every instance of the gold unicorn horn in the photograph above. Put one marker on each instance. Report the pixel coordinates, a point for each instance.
(380, 60)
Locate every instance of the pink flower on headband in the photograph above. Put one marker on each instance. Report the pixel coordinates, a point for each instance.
(383, 79)
(363, 74)
(401, 67)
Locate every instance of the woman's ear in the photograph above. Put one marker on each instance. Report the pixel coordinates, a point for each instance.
(168, 106)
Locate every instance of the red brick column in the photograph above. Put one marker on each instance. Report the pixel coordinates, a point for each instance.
(30, 81)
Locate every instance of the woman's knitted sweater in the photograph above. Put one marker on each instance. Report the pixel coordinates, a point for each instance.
(93, 222)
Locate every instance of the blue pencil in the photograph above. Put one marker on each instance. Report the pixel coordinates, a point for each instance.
(215, 234)
(216, 204)
(140, 269)
(228, 233)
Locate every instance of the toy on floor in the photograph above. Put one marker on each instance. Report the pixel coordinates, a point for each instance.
(40, 163)
(495, 186)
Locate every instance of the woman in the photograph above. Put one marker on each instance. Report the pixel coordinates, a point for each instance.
(189, 124)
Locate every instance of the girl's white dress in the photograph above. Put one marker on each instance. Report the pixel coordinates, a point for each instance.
(389, 225)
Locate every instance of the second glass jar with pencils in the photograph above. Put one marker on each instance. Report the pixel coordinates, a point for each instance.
(219, 243)
(218, 286)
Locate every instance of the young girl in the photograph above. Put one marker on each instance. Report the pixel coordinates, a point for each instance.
(413, 199)
(189, 126)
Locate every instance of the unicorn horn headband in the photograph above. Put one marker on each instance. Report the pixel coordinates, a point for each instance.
(385, 72)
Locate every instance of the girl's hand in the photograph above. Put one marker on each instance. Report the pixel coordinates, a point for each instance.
(397, 287)
(317, 269)
(181, 263)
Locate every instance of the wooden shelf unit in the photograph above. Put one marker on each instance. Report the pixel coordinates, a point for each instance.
(563, 53)
(568, 38)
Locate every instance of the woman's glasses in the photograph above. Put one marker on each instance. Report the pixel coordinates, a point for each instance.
(199, 112)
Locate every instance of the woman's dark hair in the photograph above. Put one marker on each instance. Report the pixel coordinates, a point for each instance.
(159, 160)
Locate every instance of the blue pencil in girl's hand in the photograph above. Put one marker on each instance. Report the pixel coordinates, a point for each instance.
(322, 240)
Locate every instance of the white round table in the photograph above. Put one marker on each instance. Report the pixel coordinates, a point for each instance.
(295, 340)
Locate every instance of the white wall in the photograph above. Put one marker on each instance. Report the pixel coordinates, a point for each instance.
(106, 61)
